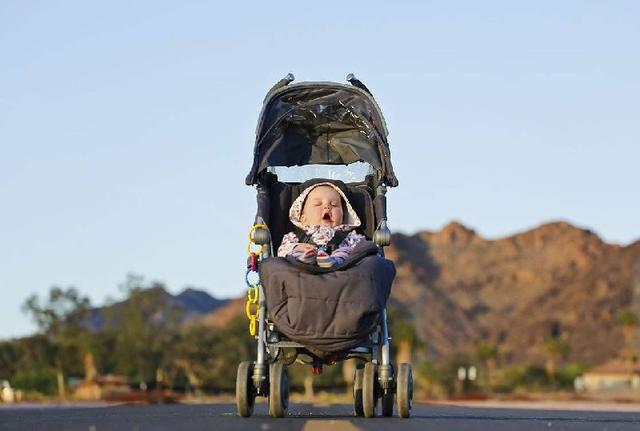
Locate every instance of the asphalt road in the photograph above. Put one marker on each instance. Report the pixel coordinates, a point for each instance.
(304, 417)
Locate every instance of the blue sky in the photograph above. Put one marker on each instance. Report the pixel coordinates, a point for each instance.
(126, 128)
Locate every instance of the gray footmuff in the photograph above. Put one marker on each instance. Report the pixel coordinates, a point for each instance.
(330, 311)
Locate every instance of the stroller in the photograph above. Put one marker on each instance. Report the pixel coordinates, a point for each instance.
(300, 312)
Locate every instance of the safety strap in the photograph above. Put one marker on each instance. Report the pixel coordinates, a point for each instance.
(330, 247)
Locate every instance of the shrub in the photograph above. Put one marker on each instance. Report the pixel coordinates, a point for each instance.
(39, 380)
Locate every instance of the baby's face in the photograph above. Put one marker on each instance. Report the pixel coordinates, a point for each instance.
(323, 207)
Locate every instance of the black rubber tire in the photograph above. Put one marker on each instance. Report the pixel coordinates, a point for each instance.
(387, 403)
(278, 390)
(404, 390)
(357, 391)
(245, 392)
(369, 389)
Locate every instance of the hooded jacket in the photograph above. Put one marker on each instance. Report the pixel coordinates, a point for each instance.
(321, 236)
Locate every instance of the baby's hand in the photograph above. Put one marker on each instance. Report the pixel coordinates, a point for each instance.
(303, 247)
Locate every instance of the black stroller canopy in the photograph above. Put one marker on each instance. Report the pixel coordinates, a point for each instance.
(321, 123)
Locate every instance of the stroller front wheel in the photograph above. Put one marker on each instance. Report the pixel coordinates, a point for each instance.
(278, 390)
(369, 389)
(245, 392)
(405, 390)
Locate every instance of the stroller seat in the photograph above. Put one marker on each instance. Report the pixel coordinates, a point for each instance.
(333, 309)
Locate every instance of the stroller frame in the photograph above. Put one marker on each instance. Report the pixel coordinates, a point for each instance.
(375, 377)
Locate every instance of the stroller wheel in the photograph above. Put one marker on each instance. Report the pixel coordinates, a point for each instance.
(245, 392)
(387, 403)
(369, 389)
(278, 390)
(357, 391)
(405, 390)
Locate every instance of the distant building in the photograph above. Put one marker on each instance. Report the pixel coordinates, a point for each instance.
(615, 375)
(102, 388)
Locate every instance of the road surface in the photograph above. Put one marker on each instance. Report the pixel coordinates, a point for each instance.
(303, 417)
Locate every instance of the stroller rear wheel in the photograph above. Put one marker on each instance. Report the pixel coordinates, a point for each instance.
(357, 391)
(369, 389)
(387, 403)
(405, 390)
(278, 390)
(245, 392)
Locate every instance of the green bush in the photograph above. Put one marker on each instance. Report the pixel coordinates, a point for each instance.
(534, 378)
(39, 380)
(567, 374)
(530, 377)
(443, 377)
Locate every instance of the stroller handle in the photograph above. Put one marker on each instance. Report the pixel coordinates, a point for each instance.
(288, 79)
(357, 83)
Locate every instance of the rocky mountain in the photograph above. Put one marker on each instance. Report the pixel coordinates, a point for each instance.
(219, 317)
(190, 305)
(554, 280)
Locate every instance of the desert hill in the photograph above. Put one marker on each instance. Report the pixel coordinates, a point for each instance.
(190, 305)
(556, 279)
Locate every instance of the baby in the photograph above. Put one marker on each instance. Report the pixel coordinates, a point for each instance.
(326, 221)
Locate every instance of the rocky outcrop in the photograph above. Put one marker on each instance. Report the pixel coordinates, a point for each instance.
(556, 279)
(189, 305)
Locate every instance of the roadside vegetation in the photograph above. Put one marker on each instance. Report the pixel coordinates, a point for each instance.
(146, 343)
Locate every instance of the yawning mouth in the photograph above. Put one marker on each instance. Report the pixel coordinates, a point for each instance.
(326, 216)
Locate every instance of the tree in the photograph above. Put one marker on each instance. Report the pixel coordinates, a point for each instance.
(61, 318)
(209, 357)
(487, 354)
(26, 363)
(144, 328)
(348, 372)
(628, 320)
(555, 349)
(193, 354)
(404, 336)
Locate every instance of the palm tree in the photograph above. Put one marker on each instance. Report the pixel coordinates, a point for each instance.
(555, 350)
(487, 354)
(309, 393)
(405, 339)
(348, 370)
(628, 320)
